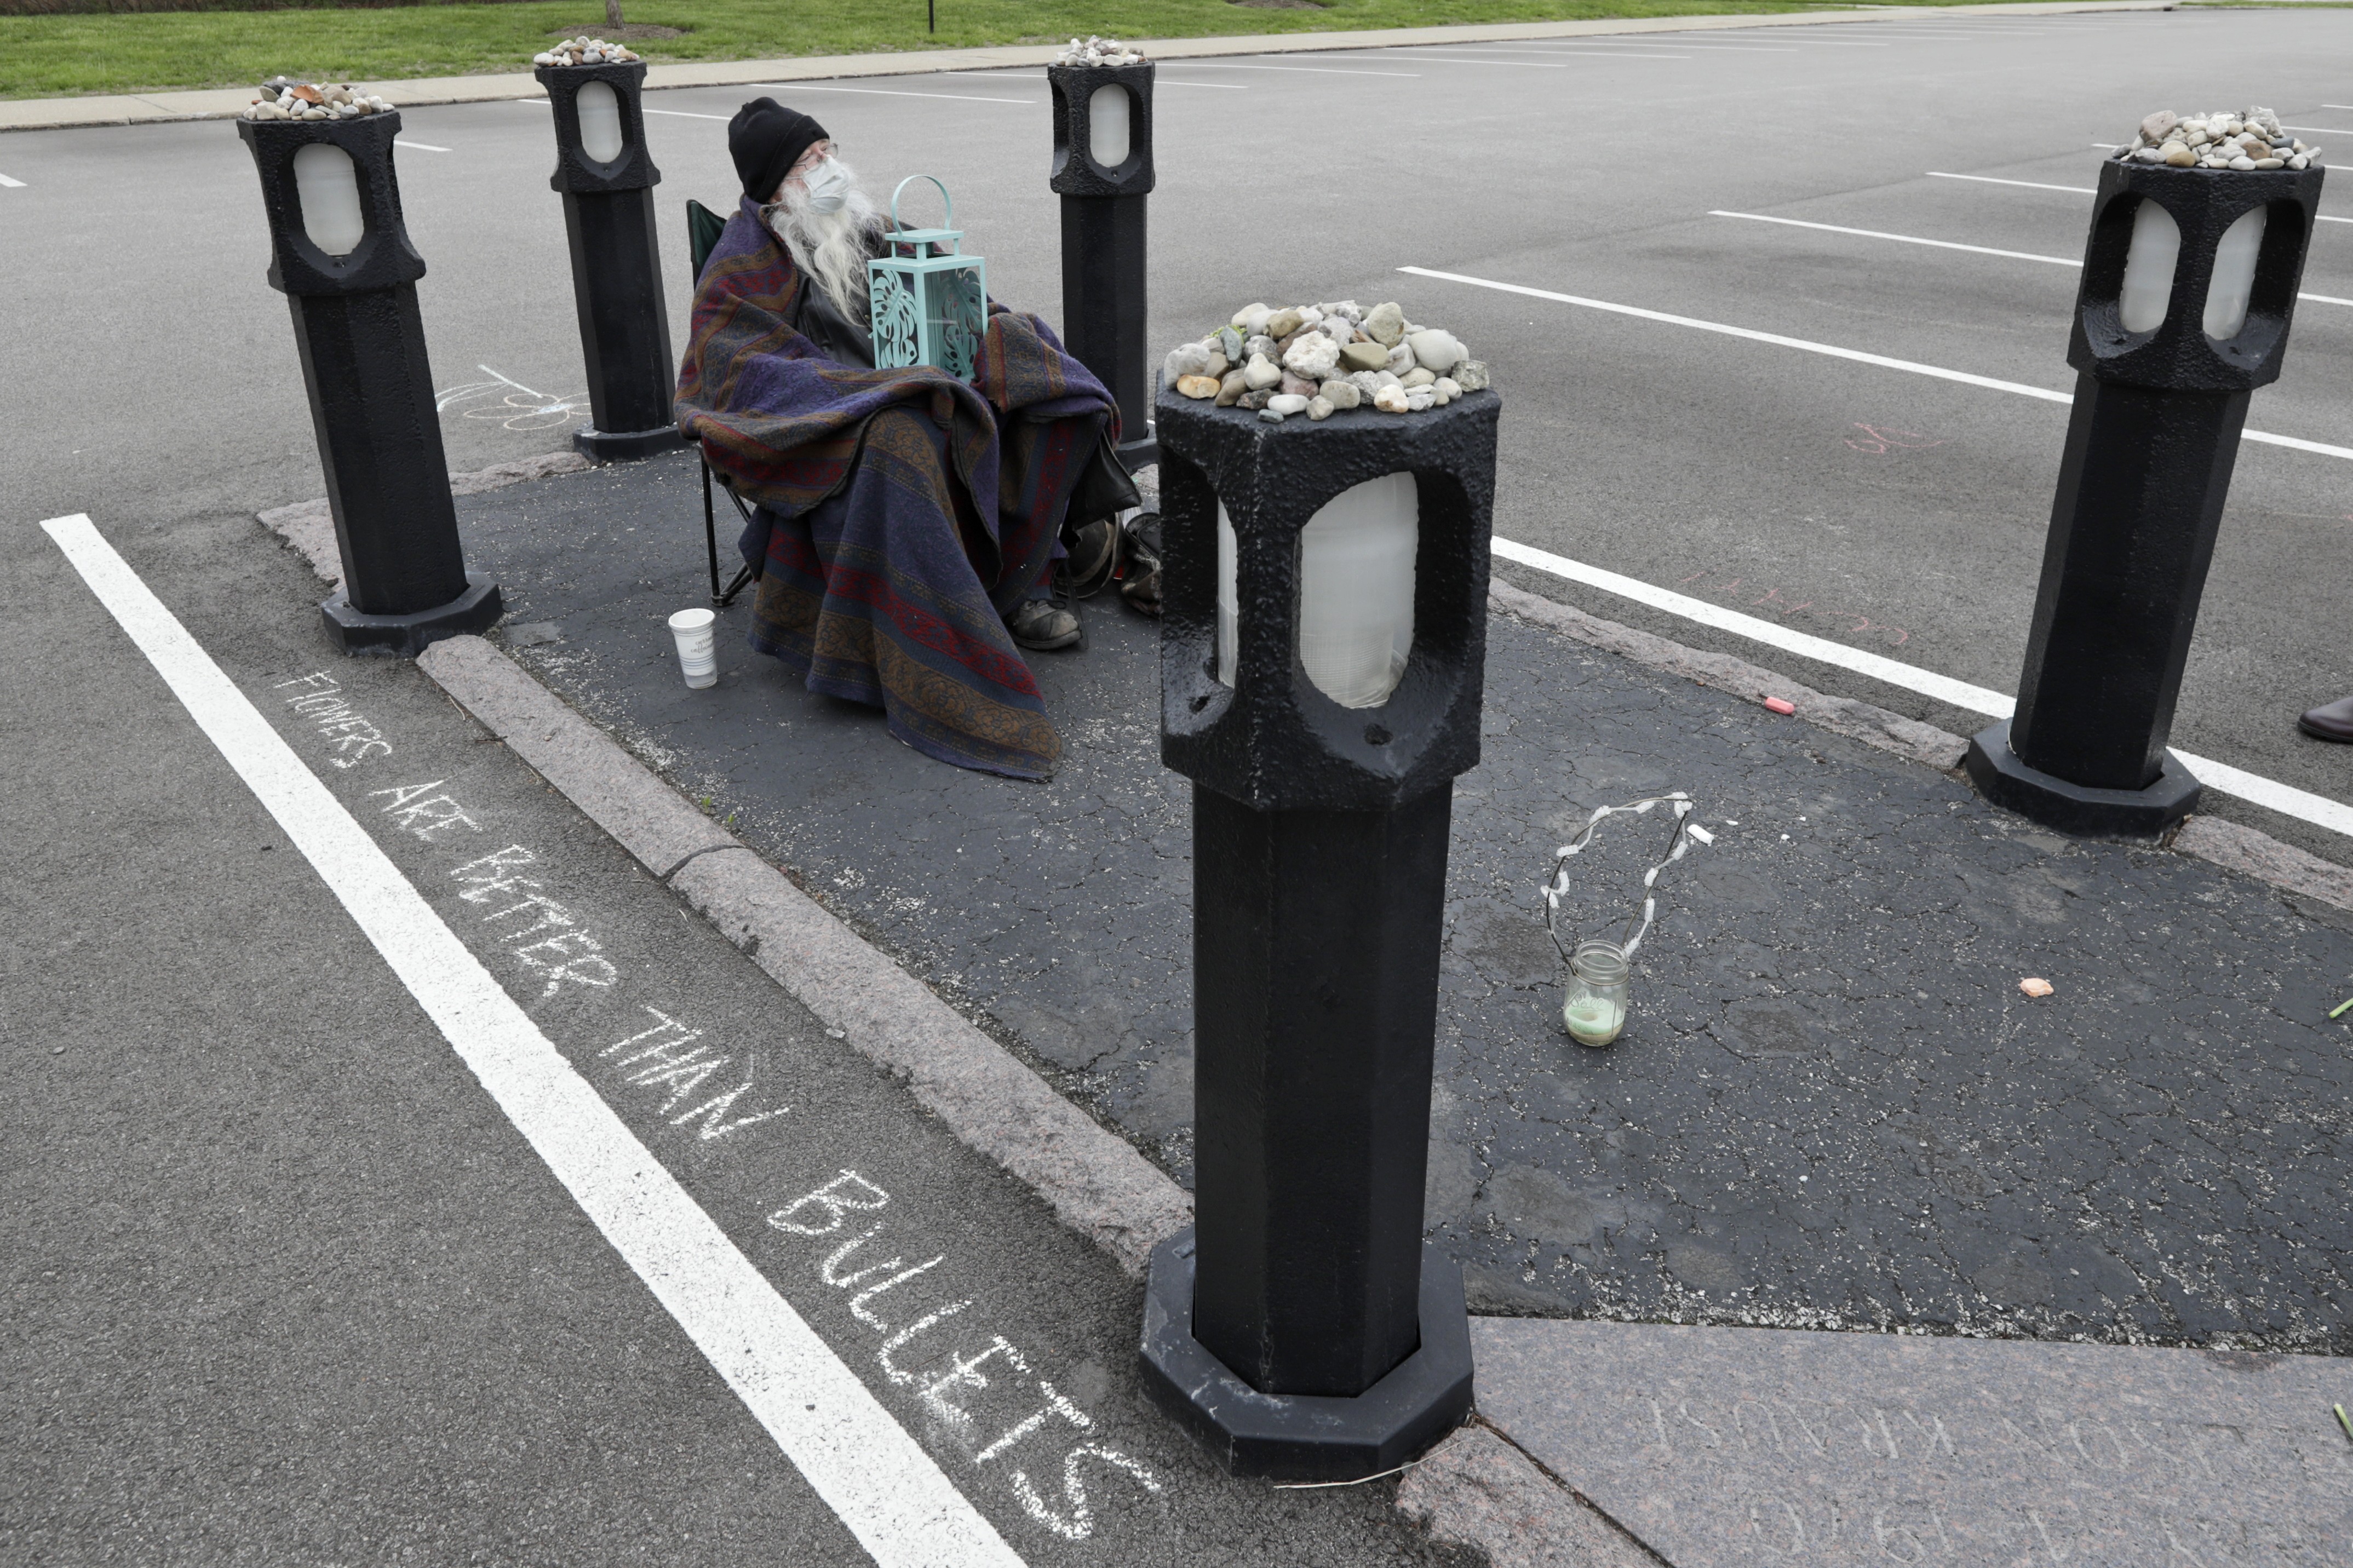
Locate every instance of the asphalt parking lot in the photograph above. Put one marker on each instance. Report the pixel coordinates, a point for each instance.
(1884, 510)
(388, 1298)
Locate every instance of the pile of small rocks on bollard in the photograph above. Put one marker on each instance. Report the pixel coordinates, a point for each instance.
(282, 98)
(1319, 359)
(1094, 51)
(2222, 139)
(584, 50)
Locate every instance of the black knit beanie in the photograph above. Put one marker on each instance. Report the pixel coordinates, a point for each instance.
(766, 139)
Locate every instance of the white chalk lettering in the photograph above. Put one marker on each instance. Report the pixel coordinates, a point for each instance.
(898, 1342)
(857, 1302)
(553, 915)
(837, 1198)
(485, 871)
(941, 1394)
(964, 1373)
(1055, 1406)
(320, 700)
(570, 959)
(713, 1113)
(427, 817)
(1079, 1521)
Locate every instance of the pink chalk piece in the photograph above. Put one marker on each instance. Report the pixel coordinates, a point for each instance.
(1780, 705)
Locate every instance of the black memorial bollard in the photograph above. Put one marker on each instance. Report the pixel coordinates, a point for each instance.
(1322, 660)
(341, 255)
(606, 179)
(1102, 168)
(2183, 312)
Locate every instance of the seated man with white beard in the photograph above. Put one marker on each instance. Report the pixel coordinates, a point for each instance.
(908, 523)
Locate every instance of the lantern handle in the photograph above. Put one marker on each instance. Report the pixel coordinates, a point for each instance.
(946, 200)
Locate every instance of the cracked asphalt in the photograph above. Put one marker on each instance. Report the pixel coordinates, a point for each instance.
(1832, 1106)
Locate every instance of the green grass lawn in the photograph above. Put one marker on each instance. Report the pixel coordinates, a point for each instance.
(42, 56)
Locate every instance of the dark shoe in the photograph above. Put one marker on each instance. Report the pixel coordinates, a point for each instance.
(1139, 583)
(1043, 626)
(2333, 723)
(1094, 557)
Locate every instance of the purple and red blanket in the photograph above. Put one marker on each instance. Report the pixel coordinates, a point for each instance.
(911, 511)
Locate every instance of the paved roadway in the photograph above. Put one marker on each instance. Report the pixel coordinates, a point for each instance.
(1882, 510)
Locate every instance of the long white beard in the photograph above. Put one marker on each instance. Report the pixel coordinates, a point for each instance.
(831, 247)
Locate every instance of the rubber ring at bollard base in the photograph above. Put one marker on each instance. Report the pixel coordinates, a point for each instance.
(626, 446)
(2138, 815)
(476, 609)
(1301, 1436)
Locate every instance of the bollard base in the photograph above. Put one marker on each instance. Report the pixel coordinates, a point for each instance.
(1143, 452)
(2138, 814)
(626, 446)
(404, 636)
(1306, 1437)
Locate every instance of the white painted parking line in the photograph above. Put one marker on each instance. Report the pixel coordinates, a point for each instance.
(2320, 129)
(2026, 184)
(1954, 245)
(876, 1478)
(1459, 59)
(1221, 86)
(2285, 799)
(1832, 351)
(688, 114)
(1307, 70)
(1924, 38)
(879, 92)
(8, 185)
(1902, 238)
(1455, 52)
(429, 147)
(1707, 45)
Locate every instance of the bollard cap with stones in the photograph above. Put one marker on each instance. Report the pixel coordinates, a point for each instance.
(1284, 541)
(2194, 258)
(383, 257)
(578, 172)
(1091, 127)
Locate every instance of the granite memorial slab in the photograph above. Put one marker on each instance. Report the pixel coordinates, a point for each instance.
(1735, 1446)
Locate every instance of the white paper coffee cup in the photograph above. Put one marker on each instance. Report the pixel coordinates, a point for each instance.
(697, 653)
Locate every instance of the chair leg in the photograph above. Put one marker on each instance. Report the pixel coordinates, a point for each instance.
(710, 535)
(743, 578)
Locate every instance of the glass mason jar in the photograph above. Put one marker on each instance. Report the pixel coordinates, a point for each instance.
(1596, 1009)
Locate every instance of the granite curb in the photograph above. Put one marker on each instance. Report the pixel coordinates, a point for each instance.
(221, 103)
(1479, 1489)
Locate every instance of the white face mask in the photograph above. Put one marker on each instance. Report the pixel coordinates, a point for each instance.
(828, 185)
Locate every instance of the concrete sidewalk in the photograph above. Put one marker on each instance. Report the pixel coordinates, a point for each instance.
(221, 103)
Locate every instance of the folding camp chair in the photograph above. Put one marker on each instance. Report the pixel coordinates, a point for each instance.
(703, 228)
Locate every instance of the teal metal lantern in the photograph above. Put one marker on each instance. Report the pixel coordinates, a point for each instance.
(929, 299)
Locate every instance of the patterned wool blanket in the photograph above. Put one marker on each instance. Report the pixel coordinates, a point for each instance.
(908, 511)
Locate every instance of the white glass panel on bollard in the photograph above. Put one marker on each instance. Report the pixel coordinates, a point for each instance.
(600, 121)
(2234, 275)
(329, 189)
(1107, 126)
(1355, 590)
(1230, 615)
(2149, 268)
